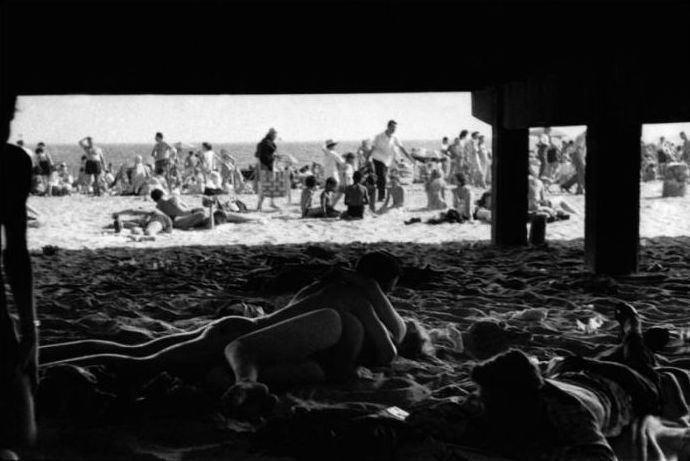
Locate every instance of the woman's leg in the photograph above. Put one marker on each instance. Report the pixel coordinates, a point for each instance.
(289, 341)
(92, 347)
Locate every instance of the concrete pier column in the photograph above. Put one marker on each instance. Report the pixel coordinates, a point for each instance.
(612, 200)
(510, 165)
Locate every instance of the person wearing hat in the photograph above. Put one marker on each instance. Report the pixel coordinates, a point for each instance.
(384, 152)
(332, 161)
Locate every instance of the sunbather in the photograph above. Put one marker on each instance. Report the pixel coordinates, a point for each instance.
(322, 334)
(581, 405)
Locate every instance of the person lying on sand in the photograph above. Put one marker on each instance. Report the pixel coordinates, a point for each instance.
(151, 222)
(324, 332)
(182, 217)
(18, 354)
(581, 408)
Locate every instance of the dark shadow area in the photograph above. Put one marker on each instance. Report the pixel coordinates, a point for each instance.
(134, 295)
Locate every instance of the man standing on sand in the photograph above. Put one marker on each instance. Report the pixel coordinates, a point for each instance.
(384, 153)
(162, 153)
(95, 163)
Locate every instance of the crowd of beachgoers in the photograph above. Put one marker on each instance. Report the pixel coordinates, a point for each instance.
(371, 180)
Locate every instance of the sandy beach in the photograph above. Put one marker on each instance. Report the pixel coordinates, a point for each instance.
(542, 296)
(78, 222)
(100, 285)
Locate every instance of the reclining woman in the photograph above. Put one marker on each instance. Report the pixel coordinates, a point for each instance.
(327, 329)
(582, 408)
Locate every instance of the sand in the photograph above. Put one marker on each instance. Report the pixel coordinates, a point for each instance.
(102, 286)
(77, 222)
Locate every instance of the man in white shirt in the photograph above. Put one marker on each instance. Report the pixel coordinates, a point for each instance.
(332, 161)
(384, 153)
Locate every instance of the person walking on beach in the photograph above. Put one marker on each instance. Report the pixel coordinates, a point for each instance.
(95, 163)
(384, 153)
(266, 156)
(162, 155)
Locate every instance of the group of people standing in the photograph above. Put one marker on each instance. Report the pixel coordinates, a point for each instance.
(469, 156)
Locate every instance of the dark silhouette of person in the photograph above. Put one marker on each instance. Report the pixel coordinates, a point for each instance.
(18, 349)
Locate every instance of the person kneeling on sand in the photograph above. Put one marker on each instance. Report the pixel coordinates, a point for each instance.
(436, 191)
(583, 408)
(326, 330)
(395, 192)
(356, 197)
(151, 222)
(182, 217)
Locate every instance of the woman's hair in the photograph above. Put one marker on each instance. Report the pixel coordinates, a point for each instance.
(511, 370)
(206, 145)
(460, 177)
(331, 181)
(156, 194)
(310, 181)
(416, 342)
(357, 177)
(380, 265)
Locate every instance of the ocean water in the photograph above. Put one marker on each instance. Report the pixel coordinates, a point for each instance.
(304, 152)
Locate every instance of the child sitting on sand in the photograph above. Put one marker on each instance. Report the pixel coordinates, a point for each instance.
(356, 197)
(462, 197)
(307, 197)
(483, 210)
(327, 199)
(436, 191)
(395, 192)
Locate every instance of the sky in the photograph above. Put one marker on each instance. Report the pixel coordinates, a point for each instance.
(246, 118)
(241, 118)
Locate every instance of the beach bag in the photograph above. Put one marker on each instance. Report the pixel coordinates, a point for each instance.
(273, 183)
